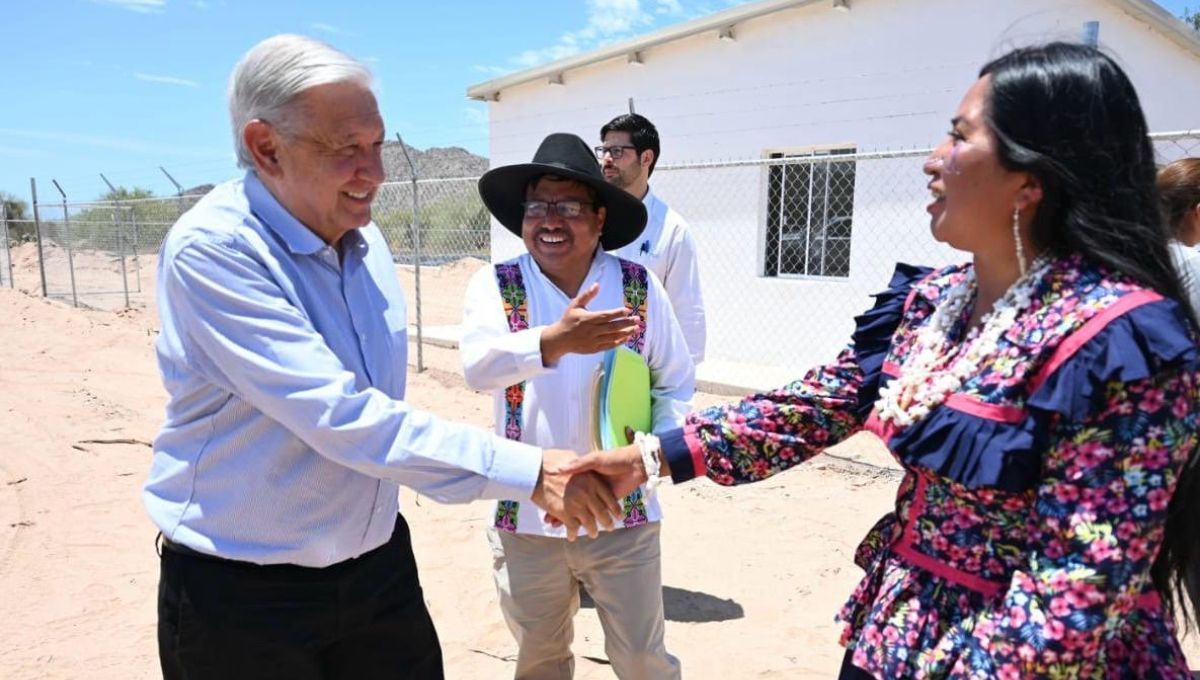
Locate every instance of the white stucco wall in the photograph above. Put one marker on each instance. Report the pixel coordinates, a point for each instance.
(886, 75)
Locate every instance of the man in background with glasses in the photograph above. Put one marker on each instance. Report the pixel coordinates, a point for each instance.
(530, 335)
(628, 152)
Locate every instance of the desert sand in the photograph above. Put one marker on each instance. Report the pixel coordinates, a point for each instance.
(752, 575)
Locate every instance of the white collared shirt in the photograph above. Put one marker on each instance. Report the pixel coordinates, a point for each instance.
(1187, 261)
(558, 399)
(287, 432)
(666, 247)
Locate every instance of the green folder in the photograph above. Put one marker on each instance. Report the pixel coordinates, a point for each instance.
(621, 398)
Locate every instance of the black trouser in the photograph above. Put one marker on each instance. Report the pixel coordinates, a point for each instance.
(361, 619)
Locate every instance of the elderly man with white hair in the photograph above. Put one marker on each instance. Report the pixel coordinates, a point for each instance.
(283, 352)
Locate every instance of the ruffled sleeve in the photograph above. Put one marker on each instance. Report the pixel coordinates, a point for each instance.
(1133, 346)
(1129, 341)
(1122, 424)
(873, 331)
(770, 432)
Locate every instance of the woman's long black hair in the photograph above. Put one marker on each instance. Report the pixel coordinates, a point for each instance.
(1070, 116)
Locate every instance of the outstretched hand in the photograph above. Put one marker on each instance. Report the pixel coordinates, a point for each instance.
(622, 468)
(580, 499)
(580, 331)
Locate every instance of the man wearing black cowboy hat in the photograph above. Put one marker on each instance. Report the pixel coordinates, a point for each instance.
(529, 335)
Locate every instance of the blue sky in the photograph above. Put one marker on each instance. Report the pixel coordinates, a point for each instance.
(122, 87)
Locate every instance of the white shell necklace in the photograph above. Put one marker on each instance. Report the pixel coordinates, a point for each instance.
(931, 373)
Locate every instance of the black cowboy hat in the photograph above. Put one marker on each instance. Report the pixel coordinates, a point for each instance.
(567, 156)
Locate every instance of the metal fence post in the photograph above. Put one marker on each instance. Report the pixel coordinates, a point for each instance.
(178, 193)
(417, 270)
(67, 241)
(178, 206)
(416, 235)
(120, 226)
(7, 249)
(137, 263)
(37, 232)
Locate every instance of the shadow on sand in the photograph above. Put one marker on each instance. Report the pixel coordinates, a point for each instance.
(686, 606)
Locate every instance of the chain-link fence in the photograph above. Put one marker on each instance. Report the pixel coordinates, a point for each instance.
(791, 246)
(445, 222)
(442, 226)
(6, 264)
(1171, 146)
(93, 253)
(101, 253)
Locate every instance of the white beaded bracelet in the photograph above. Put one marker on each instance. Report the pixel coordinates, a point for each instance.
(649, 446)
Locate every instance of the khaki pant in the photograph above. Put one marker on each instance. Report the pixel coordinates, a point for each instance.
(538, 581)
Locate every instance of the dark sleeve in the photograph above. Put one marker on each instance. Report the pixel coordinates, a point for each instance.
(766, 433)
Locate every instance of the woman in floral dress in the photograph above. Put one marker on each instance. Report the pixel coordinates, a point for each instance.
(1041, 399)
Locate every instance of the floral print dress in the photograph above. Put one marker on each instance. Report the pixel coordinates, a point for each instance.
(1034, 498)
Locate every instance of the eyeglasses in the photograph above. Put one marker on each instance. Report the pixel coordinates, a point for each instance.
(616, 151)
(537, 210)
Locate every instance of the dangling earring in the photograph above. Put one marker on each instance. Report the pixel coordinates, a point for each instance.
(1021, 264)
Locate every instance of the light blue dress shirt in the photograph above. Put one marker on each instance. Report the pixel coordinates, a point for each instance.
(286, 432)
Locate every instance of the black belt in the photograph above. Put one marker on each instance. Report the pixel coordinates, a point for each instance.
(167, 545)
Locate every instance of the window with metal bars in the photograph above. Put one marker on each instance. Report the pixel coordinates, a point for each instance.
(810, 208)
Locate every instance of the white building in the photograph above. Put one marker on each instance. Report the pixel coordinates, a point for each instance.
(789, 254)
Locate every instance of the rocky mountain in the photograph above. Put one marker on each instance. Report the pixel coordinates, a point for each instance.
(433, 162)
(199, 190)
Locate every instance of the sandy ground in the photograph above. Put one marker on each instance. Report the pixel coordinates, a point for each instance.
(752, 575)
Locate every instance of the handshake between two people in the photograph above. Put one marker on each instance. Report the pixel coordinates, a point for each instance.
(586, 491)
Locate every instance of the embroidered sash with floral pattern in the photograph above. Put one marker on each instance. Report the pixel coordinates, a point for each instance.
(635, 284)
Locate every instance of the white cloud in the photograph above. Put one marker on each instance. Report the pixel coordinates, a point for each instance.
(671, 7)
(166, 80)
(530, 58)
(609, 17)
(607, 20)
(19, 152)
(140, 6)
(329, 28)
(492, 70)
(476, 115)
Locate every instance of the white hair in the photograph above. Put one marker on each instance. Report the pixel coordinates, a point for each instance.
(267, 79)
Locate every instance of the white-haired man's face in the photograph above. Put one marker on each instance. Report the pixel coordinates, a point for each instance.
(326, 166)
